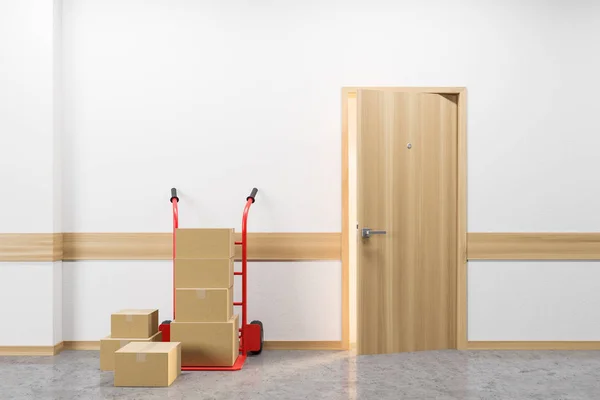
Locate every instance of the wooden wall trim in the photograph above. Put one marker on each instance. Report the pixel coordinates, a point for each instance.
(30, 246)
(57, 247)
(31, 350)
(533, 246)
(305, 345)
(157, 246)
(35, 247)
(268, 345)
(314, 345)
(534, 345)
(117, 246)
(82, 345)
(292, 246)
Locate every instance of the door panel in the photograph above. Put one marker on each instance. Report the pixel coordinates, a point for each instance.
(407, 278)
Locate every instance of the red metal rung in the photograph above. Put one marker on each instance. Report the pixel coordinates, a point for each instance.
(237, 303)
(237, 273)
(238, 243)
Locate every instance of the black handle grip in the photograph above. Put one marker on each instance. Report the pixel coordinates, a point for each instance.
(252, 195)
(174, 195)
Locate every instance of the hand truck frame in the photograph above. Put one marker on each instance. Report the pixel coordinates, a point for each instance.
(251, 334)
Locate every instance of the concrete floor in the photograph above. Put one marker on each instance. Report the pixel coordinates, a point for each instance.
(326, 375)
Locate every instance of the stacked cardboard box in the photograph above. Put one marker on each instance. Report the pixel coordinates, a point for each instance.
(148, 364)
(204, 321)
(128, 326)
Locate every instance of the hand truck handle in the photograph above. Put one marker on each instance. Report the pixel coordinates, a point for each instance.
(252, 195)
(174, 195)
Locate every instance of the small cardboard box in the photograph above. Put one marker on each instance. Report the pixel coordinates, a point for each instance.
(109, 345)
(134, 324)
(203, 305)
(147, 364)
(214, 344)
(204, 243)
(203, 273)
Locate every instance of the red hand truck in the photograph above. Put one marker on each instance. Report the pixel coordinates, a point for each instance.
(251, 334)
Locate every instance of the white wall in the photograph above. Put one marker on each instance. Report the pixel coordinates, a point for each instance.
(58, 120)
(57, 301)
(557, 300)
(160, 100)
(214, 97)
(30, 293)
(295, 301)
(92, 290)
(217, 97)
(26, 301)
(26, 116)
(57, 143)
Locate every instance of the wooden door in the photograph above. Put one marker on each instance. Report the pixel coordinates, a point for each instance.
(407, 186)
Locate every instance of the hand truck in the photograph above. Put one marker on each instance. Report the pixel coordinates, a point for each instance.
(251, 334)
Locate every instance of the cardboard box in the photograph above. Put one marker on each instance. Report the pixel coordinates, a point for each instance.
(204, 243)
(109, 345)
(203, 273)
(213, 344)
(134, 324)
(203, 305)
(147, 364)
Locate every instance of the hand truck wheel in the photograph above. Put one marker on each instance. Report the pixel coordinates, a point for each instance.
(165, 328)
(262, 338)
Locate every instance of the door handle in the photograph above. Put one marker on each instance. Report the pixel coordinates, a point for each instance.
(367, 232)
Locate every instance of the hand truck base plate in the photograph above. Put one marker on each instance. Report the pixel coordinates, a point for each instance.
(239, 363)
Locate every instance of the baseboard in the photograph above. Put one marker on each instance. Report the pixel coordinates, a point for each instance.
(31, 350)
(314, 345)
(533, 345)
(268, 345)
(58, 348)
(82, 345)
(304, 345)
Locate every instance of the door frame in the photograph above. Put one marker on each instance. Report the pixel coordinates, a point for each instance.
(461, 265)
